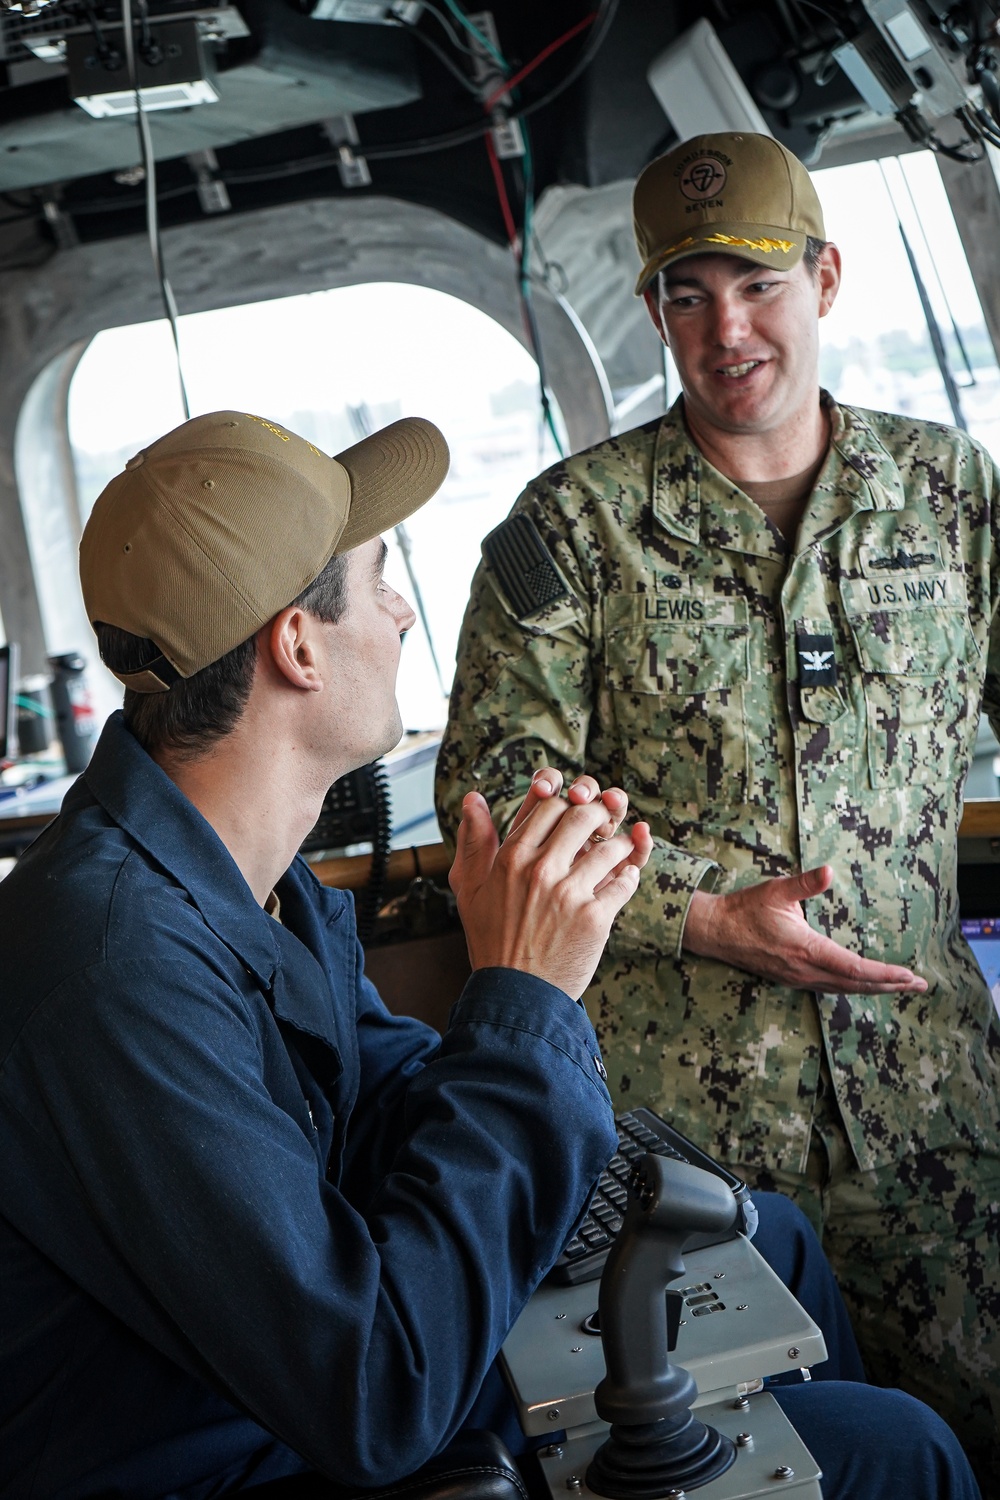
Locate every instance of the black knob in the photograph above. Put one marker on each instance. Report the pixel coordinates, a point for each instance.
(655, 1443)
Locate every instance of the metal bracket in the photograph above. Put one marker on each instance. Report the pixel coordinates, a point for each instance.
(508, 138)
(213, 194)
(342, 133)
(62, 226)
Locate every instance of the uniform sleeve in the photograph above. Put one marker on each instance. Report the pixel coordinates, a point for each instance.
(531, 690)
(392, 1052)
(358, 1335)
(991, 683)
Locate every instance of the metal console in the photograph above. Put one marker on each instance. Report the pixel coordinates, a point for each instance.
(738, 1325)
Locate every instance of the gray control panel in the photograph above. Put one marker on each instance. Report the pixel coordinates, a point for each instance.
(739, 1323)
(771, 1458)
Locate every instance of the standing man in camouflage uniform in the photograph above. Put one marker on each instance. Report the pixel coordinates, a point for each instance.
(770, 619)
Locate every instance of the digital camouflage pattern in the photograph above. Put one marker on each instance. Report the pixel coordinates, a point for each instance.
(669, 665)
(769, 709)
(914, 1247)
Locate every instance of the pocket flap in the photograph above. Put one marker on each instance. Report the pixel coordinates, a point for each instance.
(918, 639)
(676, 644)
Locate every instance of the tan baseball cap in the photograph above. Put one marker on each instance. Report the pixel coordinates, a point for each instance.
(725, 194)
(213, 529)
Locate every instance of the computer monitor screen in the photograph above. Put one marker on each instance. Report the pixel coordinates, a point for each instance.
(8, 710)
(983, 936)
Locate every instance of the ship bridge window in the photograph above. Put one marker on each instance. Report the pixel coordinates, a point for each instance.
(331, 366)
(906, 288)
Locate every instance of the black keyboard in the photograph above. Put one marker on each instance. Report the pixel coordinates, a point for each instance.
(639, 1131)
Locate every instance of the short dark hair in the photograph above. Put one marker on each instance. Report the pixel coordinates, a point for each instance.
(810, 256)
(200, 710)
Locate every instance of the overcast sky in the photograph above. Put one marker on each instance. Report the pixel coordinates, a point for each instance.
(437, 355)
(878, 293)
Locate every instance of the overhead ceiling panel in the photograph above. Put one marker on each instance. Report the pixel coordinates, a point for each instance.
(291, 72)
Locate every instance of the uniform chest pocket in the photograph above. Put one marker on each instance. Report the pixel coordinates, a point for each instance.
(677, 688)
(915, 651)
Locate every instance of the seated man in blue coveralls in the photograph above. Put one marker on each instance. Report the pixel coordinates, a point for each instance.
(251, 1225)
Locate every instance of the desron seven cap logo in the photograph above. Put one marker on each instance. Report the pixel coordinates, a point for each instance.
(704, 178)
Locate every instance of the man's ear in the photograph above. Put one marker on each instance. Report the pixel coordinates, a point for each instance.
(828, 277)
(291, 642)
(651, 297)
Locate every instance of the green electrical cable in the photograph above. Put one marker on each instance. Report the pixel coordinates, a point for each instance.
(524, 279)
(480, 36)
(32, 706)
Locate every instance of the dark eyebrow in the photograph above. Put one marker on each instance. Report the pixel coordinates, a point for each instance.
(379, 561)
(750, 273)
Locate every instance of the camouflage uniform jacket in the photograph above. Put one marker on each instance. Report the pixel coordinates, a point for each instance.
(655, 629)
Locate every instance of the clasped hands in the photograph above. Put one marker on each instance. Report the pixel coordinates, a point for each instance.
(544, 899)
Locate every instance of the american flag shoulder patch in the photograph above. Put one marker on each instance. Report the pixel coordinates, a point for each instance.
(523, 569)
